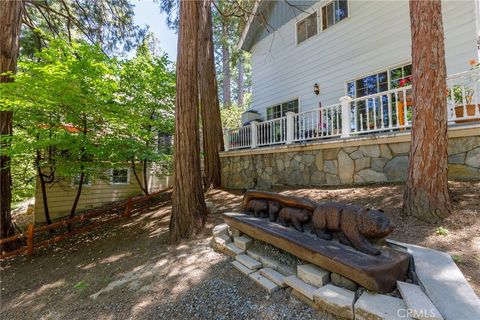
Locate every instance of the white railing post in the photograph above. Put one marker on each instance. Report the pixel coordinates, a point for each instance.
(226, 139)
(253, 142)
(290, 127)
(345, 100)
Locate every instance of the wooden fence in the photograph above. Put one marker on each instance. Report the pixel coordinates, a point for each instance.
(31, 230)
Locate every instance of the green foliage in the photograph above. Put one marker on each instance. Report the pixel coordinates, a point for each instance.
(77, 110)
(231, 116)
(441, 231)
(457, 259)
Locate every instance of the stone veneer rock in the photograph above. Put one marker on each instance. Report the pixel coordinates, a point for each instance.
(373, 163)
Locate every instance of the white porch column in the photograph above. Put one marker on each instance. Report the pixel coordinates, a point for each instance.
(290, 127)
(346, 116)
(253, 143)
(226, 139)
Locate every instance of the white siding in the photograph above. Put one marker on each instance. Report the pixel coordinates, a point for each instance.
(376, 35)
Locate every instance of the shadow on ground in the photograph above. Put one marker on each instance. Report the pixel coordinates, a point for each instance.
(129, 270)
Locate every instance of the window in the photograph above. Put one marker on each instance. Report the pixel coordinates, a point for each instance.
(87, 180)
(120, 176)
(280, 110)
(307, 28)
(386, 80)
(334, 12)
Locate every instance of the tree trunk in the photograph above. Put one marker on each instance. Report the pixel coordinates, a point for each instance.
(188, 204)
(82, 177)
(227, 95)
(240, 82)
(210, 107)
(10, 24)
(41, 177)
(426, 195)
(145, 177)
(145, 191)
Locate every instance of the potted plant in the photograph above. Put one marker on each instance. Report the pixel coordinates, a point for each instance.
(459, 100)
(465, 95)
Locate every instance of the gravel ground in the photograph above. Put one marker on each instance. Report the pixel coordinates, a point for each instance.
(128, 270)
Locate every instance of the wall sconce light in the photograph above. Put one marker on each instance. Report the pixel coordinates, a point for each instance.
(316, 89)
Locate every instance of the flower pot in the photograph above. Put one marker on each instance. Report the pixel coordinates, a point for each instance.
(470, 112)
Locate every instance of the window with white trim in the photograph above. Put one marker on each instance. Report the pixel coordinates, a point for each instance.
(307, 27)
(279, 110)
(120, 176)
(388, 79)
(334, 12)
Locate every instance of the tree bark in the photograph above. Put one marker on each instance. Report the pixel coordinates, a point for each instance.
(10, 25)
(240, 82)
(209, 104)
(43, 183)
(426, 194)
(145, 190)
(227, 95)
(188, 204)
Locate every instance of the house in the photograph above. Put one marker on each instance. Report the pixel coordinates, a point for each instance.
(332, 98)
(103, 187)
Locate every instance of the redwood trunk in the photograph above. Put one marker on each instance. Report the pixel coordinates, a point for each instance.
(210, 107)
(426, 195)
(10, 25)
(240, 83)
(227, 95)
(188, 204)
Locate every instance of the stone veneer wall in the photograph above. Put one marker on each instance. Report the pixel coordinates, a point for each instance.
(367, 163)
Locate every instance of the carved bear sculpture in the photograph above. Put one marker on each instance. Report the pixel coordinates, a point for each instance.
(355, 225)
(258, 207)
(274, 208)
(296, 217)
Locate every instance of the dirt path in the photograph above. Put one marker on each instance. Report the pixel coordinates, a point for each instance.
(128, 270)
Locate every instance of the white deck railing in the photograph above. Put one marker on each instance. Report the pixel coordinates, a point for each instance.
(381, 112)
(317, 124)
(271, 132)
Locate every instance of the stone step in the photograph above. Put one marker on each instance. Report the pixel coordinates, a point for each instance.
(233, 249)
(249, 262)
(263, 282)
(232, 232)
(341, 281)
(313, 275)
(222, 239)
(443, 283)
(418, 302)
(336, 300)
(274, 276)
(297, 284)
(270, 263)
(220, 229)
(243, 242)
(379, 306)
(240, 267)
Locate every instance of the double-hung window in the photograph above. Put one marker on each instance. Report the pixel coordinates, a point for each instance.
(281, 109)
(333, 12)
(307, 27)
(120, 176)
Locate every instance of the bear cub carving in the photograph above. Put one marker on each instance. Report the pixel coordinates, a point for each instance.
(264, 208)
(354, 224)
(258, 207)
(294, 216)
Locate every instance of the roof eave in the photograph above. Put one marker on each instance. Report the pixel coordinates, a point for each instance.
(248, 32)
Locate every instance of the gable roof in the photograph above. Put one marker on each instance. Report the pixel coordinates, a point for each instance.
(268, 16)
(254, 22)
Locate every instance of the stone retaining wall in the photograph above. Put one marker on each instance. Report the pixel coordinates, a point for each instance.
(370, 162)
